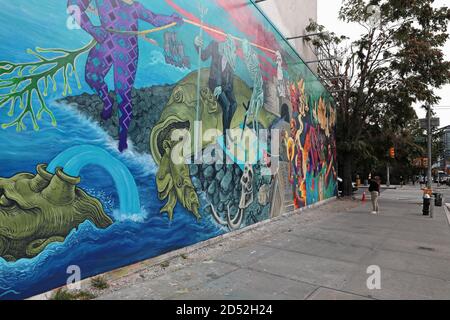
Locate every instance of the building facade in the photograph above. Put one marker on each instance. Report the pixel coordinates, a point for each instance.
(445, 157)
(291, 17)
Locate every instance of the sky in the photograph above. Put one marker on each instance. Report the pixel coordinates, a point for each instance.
(328, 16)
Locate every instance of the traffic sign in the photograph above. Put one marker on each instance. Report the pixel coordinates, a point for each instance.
(420, 163)
(435, 122)
(420, 139)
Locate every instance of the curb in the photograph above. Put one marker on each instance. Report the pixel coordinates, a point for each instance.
(447, 212)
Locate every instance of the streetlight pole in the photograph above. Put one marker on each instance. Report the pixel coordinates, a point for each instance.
(429, 145)
(388, 175)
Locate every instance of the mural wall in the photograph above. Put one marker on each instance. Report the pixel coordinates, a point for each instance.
(130, 129)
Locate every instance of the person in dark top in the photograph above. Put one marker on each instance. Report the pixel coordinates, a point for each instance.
(374, 189)
(221, 76)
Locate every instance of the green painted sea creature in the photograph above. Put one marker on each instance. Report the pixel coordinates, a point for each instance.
(37, 210)
(174, 181)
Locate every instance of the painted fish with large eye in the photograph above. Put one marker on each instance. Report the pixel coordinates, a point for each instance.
(173, 181)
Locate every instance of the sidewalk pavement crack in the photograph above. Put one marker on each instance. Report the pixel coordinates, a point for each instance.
(199, 286)
(314, 291)
(341, 291)
(329, 241)
(293, 279)
(311, 255)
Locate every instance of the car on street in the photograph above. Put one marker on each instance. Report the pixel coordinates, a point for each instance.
(341, 186)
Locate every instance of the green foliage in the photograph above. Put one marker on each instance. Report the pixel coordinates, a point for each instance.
(99, 283)
(24, 81)
(395, 63)
(63, 294)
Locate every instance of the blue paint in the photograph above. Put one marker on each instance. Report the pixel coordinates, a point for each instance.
(240, 148)
(132, 238)
(73, 160)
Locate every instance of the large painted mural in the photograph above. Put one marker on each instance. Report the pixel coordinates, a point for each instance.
(130, 129)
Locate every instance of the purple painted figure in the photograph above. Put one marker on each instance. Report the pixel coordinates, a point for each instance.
(118, 50)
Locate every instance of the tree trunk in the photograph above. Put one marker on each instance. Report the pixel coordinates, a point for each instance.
(347, 188)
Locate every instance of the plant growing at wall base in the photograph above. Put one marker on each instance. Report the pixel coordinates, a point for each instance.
(21, 83)
(99, 283)
(64, 294)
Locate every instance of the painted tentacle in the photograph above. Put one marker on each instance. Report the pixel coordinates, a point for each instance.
(236, 222)
(165, 183)
(170, 205)
(216, 217)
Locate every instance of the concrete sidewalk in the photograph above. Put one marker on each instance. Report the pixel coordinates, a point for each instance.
(322, 253)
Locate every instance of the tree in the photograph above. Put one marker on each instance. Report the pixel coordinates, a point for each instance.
(397, 61)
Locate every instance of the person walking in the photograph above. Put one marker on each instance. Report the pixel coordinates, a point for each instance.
(374, 189)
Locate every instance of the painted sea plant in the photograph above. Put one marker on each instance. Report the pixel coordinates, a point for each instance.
(22, 83)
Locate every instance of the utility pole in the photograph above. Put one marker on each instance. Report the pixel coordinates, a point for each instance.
(429, 146)
(388, 175)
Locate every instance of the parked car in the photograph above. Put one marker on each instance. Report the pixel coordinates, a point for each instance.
(341, 186)
(443, 178)
(446, 180)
